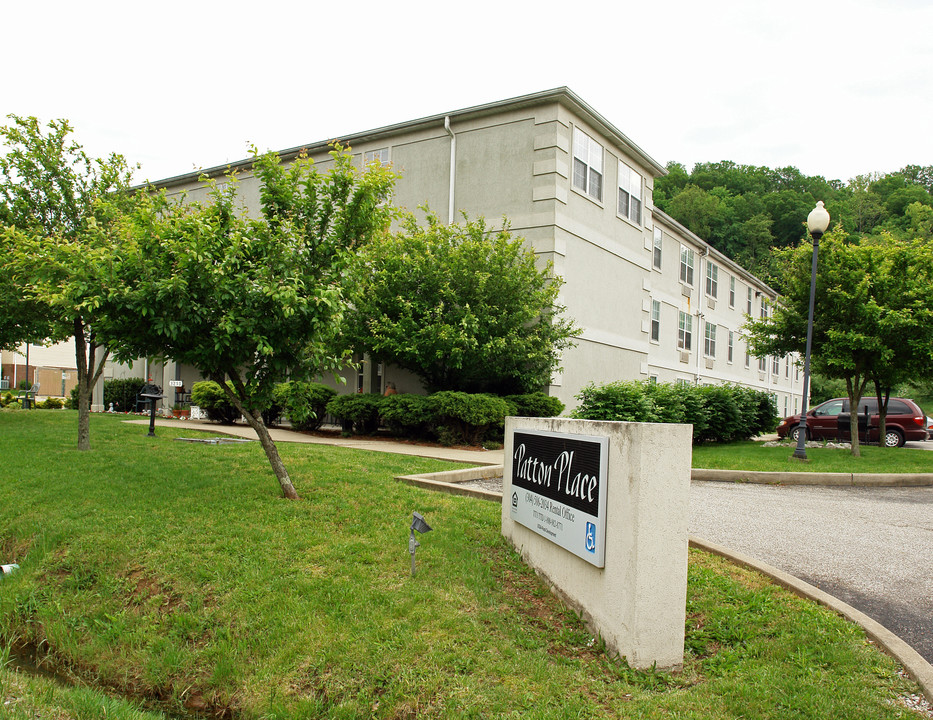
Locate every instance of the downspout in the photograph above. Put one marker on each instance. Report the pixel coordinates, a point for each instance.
(701, 315)
(453, 168)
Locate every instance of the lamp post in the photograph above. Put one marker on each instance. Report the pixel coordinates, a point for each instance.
(817, 222)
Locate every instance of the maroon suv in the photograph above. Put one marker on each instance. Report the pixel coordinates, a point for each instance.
(904, 421)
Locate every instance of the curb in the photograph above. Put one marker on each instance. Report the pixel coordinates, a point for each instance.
(918, 668)
(804, 478)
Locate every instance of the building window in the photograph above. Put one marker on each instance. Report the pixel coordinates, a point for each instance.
(657, 248)
(762, 364)
(655, 320)
(730, 346)
(775, 365)
(765, 308)
(748, 360)
(629, 193)
(587, 164)
(787, 367)
(712, 280)
(684, 331)
(381, 155)
(686, 265)
(709, 341)
(652, 379)
(749, 294)
(732, 291)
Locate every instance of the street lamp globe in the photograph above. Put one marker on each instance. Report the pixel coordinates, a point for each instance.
(818, 220)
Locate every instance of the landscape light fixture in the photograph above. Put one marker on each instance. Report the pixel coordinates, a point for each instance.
(817, 223)
(417, 523)
(151, 393)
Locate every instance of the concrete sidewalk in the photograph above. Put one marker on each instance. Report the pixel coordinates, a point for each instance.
(242, 430)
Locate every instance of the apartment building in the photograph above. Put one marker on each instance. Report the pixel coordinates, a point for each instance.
(654, 301)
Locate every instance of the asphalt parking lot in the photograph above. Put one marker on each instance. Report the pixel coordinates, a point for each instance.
(870, 547)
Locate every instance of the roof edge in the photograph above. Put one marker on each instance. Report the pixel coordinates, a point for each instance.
(563, 95)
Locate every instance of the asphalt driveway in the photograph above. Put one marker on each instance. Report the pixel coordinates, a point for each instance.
(870, 547)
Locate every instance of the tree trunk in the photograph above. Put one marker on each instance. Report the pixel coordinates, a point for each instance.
(272, 453)
(89, 373)
(855, 387)
(84, 400)
(265, 439)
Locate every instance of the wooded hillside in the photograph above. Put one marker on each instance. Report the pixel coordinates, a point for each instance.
(743, 210)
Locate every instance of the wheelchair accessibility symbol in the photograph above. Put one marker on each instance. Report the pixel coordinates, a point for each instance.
(591, 537)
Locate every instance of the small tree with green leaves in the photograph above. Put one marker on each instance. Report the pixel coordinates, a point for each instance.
(462, 306)
(58, 211)
(250, 302)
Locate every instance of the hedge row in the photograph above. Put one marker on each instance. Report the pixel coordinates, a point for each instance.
(452, 418)
(16, 402)
(718, 413)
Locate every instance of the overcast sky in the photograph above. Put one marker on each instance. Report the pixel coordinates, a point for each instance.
(836, 88)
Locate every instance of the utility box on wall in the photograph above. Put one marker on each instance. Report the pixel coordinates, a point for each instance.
(600, 509)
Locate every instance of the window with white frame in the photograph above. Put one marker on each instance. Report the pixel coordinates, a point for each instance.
(748, 360)
(587, 164)
(684, 331)
(381, 155)
(686, 265)
(730, 347)
(749, 296)
(712, 280)
(732, 291)
(652, 379)
(655, 320)
(629, 193)
(762, 364)
(775, 365)
(709, 340)
(787, 367)
(765, 308)
(658, 237)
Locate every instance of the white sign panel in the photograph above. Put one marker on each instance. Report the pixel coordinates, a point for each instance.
(559, 489)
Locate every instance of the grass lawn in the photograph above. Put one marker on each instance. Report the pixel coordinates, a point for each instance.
(750, 455)
(174, 575)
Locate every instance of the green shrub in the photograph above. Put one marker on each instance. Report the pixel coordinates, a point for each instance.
(361, 411)
(535, 405)
(6, 399)
(724, 419)
(463, 419)
(122, 392)
(718, 413)
(24, 384)
(407, 415)
(622, 401)
(305, 403)
(209, 396)
(51, 404)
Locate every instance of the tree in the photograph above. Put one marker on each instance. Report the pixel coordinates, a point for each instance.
(872, 317)
(903, 289)
(461, 306)
(59, 208)
(250, 301)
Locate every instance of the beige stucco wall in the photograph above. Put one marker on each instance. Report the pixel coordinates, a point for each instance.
(516, 160)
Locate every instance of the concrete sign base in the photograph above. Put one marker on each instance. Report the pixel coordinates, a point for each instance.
(637, 601)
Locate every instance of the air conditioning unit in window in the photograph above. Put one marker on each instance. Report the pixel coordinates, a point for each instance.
(709, 363)
(684, 356)
(711, 303)
(686, 290)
